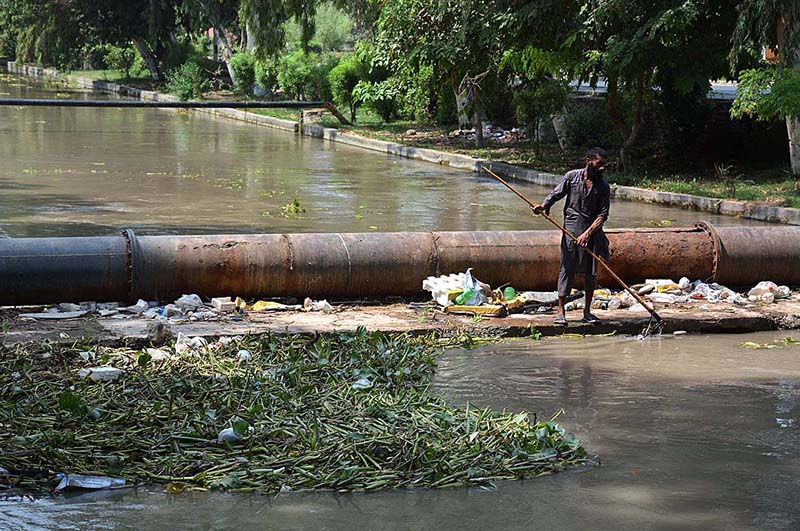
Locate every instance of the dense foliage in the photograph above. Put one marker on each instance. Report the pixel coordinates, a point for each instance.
(450, 61)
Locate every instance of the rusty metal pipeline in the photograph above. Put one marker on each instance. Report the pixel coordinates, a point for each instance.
(129, 267)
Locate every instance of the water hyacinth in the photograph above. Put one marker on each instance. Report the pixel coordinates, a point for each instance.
(343, 412)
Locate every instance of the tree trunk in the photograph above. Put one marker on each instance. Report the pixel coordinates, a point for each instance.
(630, 136)
(791, 59)
(461, 104)
(793, 128)
(559, 124)
(149, 59)
(478, 121)
(227, 52)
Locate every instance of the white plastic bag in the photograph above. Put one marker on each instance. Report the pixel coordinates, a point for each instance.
(471, 284)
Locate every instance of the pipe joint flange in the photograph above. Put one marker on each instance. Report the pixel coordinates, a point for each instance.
(133, 253)
(709, 229)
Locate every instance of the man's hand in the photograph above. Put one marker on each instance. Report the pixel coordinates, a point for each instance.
(538, 209)
(583, 239)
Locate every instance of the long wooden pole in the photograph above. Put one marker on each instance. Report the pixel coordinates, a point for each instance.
(571, 236)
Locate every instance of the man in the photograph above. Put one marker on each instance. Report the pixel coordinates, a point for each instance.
(585, 210)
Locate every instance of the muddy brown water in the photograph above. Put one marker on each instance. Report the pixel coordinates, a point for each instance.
(694, 432)
(91, 171)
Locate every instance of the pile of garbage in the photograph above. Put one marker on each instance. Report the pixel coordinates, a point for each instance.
(186, 308)
(492, 132)
(463, 293)
(667, 291)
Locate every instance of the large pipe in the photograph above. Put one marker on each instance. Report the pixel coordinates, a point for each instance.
(129, 267)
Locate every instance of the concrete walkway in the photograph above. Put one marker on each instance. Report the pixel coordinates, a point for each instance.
(690, 317)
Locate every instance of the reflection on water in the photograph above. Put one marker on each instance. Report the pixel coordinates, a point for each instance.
(82, 172)
(694, 432)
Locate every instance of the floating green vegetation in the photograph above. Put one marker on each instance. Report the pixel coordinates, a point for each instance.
(345, 412)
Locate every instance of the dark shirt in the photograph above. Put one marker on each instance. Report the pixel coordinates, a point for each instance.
(581, 209)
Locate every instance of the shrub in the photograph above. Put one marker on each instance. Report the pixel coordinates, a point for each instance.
(266, 72)
(305, 76)
(243, 66)
(382, 96)
(121, 58)
(343, 78)
(187, 81)
(587, 124)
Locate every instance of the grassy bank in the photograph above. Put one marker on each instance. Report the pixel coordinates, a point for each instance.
(348, 412)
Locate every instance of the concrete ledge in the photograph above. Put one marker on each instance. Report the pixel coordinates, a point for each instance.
(147, 95)
(696, 317)
(790, 216)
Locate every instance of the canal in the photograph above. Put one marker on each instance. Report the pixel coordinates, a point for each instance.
(90, 172)
(694, 432)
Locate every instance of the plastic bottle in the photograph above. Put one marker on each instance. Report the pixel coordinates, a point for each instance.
(467, 295)
(509, 293)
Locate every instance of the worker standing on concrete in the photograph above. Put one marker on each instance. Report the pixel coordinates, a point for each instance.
(587, 197)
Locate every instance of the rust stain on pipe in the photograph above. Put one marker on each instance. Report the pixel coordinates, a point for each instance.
(46, 270)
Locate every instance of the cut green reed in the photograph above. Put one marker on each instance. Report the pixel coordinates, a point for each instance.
(340, 412)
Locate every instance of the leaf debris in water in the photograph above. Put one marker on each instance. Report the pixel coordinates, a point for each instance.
(365, 419)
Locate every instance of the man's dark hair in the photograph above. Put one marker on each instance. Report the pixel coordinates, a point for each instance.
(595, 152)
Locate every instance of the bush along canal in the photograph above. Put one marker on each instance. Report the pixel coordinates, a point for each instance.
(265, 414)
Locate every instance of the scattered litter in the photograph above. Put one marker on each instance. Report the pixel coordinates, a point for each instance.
(140, 307)
(679, 333)
(223, 304)
(444, 289)
(189, 302)
(156, 354)
(87, 482)
(101, 374)
(55, 315)
(70, 307)
(244, 355)
(185, 344)
(261, 306)
(317, 306)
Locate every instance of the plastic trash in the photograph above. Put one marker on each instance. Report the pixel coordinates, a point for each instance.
(477, 287)
(262, 306)
(244, 355)
(509, 293)
(55, 315)
(156, 354)
(317, 306)
(223, 304)
(189, 302)
(70, 307)
(101, 374)
(684, 283)
(87, 482)
(185, 344)
(444, 288)
(762, 288)
(140, 307)
(783, 292)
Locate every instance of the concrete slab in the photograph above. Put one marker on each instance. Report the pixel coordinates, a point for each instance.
(692, 317)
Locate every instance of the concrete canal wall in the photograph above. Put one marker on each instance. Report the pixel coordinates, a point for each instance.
(742, 209)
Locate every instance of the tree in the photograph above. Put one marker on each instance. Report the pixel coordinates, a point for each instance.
(629, 42)
(461, 40)
(771, 90)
